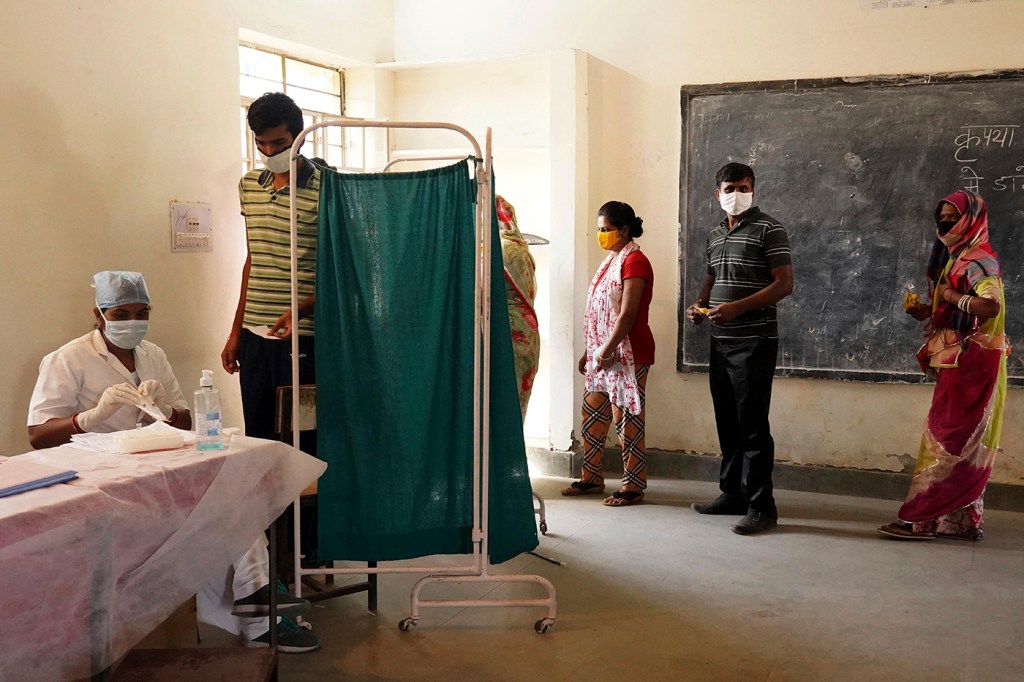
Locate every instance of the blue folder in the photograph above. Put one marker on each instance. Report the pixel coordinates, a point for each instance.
(62, 477)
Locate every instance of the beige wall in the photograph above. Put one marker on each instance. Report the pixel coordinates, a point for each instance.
(642, 52)
(511, 96)
(110, 110)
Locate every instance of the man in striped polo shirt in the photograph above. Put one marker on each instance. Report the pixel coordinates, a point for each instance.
(258, 346)
(749, 271)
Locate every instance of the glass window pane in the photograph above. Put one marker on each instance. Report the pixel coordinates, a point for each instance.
(315, 101)
(354, 140)
(244, 127)
(321, 143)
(335, 156)
(255, 87)
(257, 63)
(313, 77)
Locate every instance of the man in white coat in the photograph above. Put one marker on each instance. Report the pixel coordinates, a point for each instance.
(96, 383)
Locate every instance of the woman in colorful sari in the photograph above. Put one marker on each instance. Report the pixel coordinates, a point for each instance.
(620, 350)
(966, 351)
(520, 292)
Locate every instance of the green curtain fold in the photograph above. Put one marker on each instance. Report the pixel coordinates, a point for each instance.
(394, 344)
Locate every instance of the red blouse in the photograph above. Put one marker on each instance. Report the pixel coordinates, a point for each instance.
(640, 336)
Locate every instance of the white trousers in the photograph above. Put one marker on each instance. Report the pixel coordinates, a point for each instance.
(217, 597)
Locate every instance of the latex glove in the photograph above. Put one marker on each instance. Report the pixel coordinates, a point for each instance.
(112, 400)
(154, 391)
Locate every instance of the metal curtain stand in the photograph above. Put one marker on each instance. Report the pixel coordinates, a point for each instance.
(539, 510)
(478, 571)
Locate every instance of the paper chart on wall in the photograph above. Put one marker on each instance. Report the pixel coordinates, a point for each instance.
(924, 4)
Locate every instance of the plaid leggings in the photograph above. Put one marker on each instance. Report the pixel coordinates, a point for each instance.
(597, 416)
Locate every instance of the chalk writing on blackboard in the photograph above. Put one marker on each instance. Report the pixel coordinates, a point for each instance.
(970, 143)
(854, 170)
(1010, 182)
(982, 136)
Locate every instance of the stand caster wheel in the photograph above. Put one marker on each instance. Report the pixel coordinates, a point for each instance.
(406, 623)
(543, 528)
(543, 625)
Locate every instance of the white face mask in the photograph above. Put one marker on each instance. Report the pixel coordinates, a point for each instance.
(735, 203)
(278, 163)
(125, 334)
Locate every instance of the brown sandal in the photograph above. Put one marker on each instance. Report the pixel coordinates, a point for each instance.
(582, 488)
(624, 498)
(903, 532)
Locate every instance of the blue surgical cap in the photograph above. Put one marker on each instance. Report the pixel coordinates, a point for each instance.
(119, 287)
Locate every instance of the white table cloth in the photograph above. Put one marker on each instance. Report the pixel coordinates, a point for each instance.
(88, 568)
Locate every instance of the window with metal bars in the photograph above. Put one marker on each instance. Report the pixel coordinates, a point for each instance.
(318, 89)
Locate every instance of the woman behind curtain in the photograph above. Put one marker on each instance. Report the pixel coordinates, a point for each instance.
(520, 293)
(966, 350)
(620, 350)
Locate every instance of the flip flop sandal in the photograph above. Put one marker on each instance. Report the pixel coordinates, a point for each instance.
(624, 498)
(901, 532)
(580, 488)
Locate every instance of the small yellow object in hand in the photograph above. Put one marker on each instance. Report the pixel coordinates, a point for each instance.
(910, 299)
(703, 311)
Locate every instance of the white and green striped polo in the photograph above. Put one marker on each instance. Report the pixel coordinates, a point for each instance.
(268, 230)
(741, 261)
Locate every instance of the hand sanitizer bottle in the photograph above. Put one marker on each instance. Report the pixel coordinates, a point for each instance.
(208, 423)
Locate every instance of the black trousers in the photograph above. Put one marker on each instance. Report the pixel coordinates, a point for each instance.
(265, 364)
(741, 374)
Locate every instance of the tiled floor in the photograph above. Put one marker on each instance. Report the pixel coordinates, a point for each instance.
(657, 592)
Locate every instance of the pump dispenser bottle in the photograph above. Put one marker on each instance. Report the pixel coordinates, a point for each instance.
(208, 422)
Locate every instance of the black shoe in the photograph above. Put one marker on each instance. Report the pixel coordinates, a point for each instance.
(291, 639)
(723, 505)
(754, 523)
(257, 605)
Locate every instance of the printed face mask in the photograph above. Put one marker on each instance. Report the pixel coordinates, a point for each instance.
(278, 163)
(125, 334)
(608, 239)
(735, 203)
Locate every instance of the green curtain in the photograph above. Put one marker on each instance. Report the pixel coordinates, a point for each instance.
(394, 344)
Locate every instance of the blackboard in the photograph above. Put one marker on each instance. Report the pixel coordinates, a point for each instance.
(853, 169)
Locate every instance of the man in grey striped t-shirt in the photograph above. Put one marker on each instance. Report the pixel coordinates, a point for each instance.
(749, 270)
(257, 346)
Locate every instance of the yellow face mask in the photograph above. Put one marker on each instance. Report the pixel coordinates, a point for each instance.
(608, 239)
